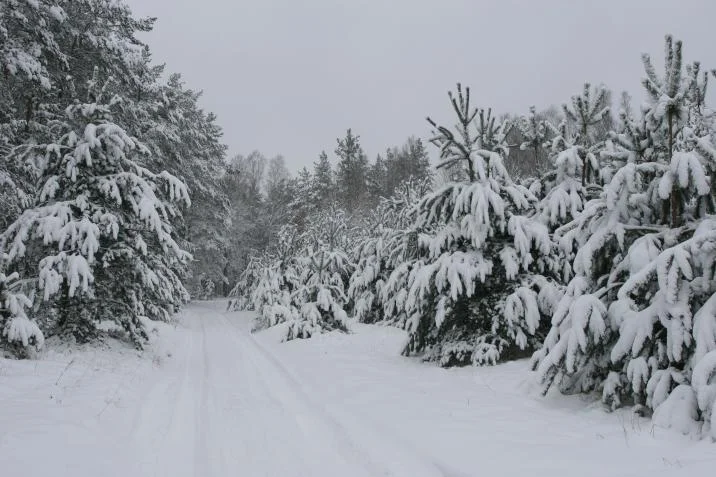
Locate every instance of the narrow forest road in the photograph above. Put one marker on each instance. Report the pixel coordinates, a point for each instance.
(210, 399)
(228, 408)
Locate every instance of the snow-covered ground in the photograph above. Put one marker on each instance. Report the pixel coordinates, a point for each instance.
(210, 399)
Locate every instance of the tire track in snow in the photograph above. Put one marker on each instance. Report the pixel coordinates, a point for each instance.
(201, 450)
(228, 407)
(389, 458)
(164, 430)
(316, 428)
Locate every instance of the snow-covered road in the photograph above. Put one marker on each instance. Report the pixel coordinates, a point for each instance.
(210, 399)
(229, 408)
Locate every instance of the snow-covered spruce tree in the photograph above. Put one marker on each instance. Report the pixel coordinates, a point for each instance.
(387, 243)
(473, 295)
(351, 172)
(637, 322)
(99, 233)
(303, 203)
(324, 268)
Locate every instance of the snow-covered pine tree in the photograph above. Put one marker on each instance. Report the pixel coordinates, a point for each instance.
(535, 133)
(99, 233)
(270, 282)
(278, 195)
(637, 321)
(323, 183)
(28, 52)
(472, 294)
(410, 161)
(669, 109)
(28, 44)
(573, 151)
(387, 243)
(377, 180)
(565, 193)
(303, 203)
(242, 183)
(241, 296)
(352, 172)
(324, 268)
(587, 111)
(666, 316)
(369, 256)
(185, 141)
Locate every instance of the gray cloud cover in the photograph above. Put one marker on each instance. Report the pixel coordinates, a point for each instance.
(289, 76)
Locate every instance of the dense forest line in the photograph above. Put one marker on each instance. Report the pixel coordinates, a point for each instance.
(583, 236)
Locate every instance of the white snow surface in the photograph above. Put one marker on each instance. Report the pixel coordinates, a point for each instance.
(210, 399)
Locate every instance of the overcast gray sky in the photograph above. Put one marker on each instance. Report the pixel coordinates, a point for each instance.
(289, 76)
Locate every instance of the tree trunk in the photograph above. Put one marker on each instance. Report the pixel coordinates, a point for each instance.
(28, 113)
(675, 192)
(585, 164)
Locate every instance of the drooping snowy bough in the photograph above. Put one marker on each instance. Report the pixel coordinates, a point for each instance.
(15, 327)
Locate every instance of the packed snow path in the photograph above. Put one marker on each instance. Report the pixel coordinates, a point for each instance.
(218, 401)
(231, 409)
